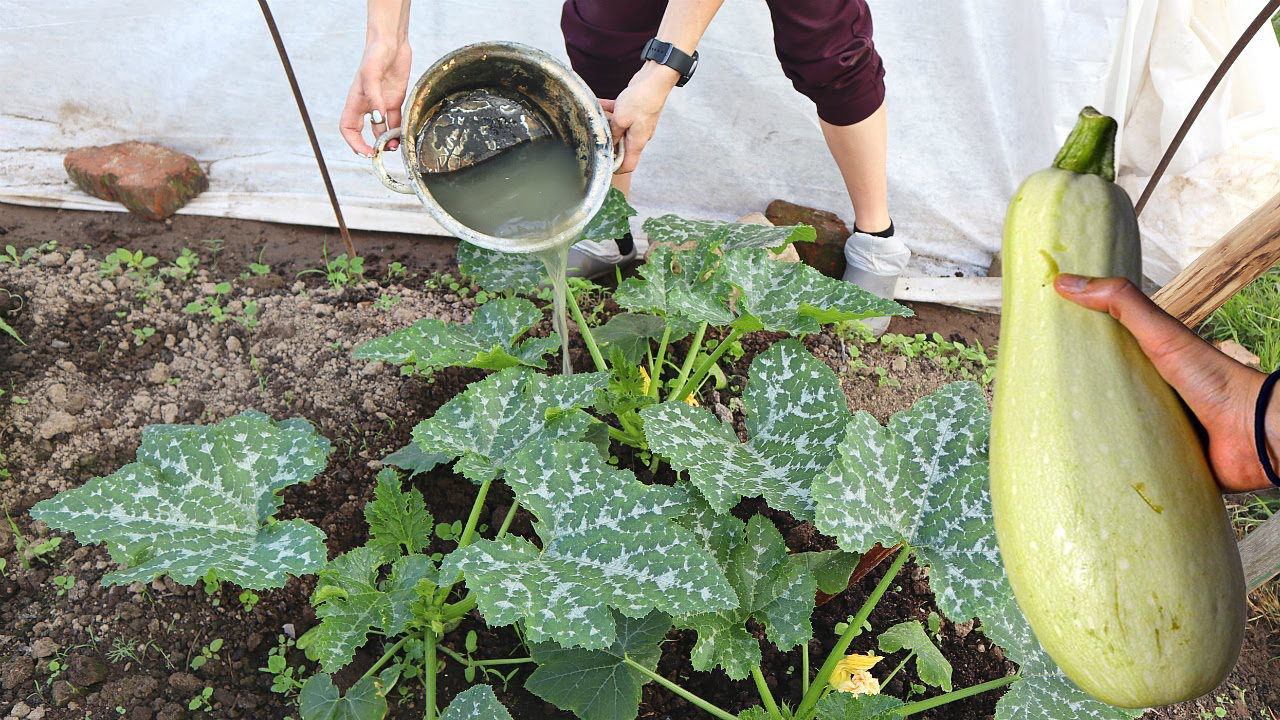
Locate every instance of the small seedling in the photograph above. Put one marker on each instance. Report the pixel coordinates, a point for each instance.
(286, 679)
(249, 320)
(184, 266)
(207, 653)
(141, 335)
(201, 702)
(396, 271)
(385, 302)
(259, 268)
(340, 272)
(64, 583)
(11, 256)
(133, 264)
(248, 599)
(211, 306)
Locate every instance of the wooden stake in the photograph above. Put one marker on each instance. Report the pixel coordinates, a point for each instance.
(1242, 255)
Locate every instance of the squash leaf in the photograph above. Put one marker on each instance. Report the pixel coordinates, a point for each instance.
(398, 520)
(488, 342)
(598, 684)
(477, 703)
(923, 480)
(675, 289)
(632, 332)
(610, 223)
(415, 459)
(488, 423)
(845, 706)
(931, 667)
(199, 503)
(351, 602)
(795, 298)
(320, 699)
(499, 272)
(711, 235)
(796, 414)
(608, 543)
(772, 588)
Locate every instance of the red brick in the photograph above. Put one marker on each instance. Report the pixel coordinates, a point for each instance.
(827, 252)
(151, 180)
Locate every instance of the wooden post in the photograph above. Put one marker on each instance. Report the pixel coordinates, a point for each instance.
(1239, 258)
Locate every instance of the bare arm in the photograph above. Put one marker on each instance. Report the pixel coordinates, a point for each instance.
(636, 111)
(383, 76)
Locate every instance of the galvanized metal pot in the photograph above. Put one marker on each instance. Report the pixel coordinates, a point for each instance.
(497, 84)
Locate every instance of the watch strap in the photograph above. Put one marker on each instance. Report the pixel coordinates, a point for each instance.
(665, 53)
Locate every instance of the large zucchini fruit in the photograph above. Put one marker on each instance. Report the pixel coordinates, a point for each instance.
(1112, 529)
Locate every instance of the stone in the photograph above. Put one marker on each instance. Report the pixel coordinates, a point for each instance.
(16, 673)
(55, 424)
(186, 683)
(58, 395)
(169, 413)
(172, 711)
(158, 374)
(1239, 353)
(53, 259)
(151, 180)
(233, 345)
(788, 253)
(21, 710)
(36, 714)
(85, 671)
(43, 647)
(63, 692)
(826, 253)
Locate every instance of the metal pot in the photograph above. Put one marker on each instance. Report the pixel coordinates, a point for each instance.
(497, 94)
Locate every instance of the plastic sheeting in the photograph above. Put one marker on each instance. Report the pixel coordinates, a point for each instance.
(981, 93)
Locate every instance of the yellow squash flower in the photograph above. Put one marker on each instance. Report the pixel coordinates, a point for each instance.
(851, 674)
(690, 400)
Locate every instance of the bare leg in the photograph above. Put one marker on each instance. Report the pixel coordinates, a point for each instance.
(859, 151)
(623, 183)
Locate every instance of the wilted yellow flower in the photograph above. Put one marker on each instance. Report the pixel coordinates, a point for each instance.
(851, 675)
(690, 400)
(860, 683)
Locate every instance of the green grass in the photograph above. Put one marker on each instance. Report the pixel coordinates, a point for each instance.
(1251, 318)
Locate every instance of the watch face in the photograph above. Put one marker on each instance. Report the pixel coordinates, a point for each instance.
(693, 68)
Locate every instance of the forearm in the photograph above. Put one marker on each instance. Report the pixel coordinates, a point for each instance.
(683, 24)
(388, 22)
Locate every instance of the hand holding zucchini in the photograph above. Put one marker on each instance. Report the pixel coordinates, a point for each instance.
(1112, 530)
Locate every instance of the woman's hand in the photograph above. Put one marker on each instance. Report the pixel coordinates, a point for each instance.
(1220, 392)
(379, 89)
(634, 115)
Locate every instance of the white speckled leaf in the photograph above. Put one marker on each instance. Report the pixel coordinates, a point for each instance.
(608, 543)
(199, 501)
(672, 287)
(710, 235)
(931, 667)
(477, 703)
(488, 342)
(415, 459)
(597, 684)
(489, 422)
(610, 223)
(845, 706)
(718, 533)
(398, 520)
(320, 699)
(755, 713)
(795, 298)
(771, 588)
(796, 414)
(631, 333)
(923, 480)
(501, 272)
(351, 602)
(831, 568)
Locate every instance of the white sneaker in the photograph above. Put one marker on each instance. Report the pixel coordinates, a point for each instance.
(874, 264)
(589, 259)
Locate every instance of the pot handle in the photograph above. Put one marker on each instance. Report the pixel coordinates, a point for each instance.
(619, 154)
(386, 179)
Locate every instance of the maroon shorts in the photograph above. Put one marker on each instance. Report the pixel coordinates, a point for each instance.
(824, 45)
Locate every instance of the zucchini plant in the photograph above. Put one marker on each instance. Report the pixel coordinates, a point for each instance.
(614, 564)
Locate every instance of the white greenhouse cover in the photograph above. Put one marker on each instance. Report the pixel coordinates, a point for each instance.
(981, 93)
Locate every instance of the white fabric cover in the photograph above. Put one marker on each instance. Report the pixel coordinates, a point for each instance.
(981, 93)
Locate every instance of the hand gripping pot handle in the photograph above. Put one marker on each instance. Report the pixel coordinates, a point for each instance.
(619, 154)
(378, 167)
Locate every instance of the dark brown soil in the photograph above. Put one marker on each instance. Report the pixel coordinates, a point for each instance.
(77, 396)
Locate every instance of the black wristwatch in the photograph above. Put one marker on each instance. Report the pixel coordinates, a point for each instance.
(667, 54)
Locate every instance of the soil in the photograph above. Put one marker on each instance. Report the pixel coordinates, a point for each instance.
(79, 393)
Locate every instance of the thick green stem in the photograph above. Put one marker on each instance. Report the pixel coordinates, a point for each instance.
(691, 385)
(900, 666)
(391, 651)
(855, 627)
(804, 668)
(585, 331)
(429, 672)
(655, 370)
(766, 696)
(506, 521)
(695, 347)
(622, 436)
(933, 702)
(468, 532)
(481, 663)
(1090, 149)
(453, 611)
(694, 699)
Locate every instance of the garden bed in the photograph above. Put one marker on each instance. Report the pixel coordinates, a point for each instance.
(102, 363)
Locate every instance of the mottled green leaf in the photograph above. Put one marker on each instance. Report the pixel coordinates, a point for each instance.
(923, 480)
(351, 602)
(489, 422)
(319, 699)
(413, 458)
(795, 298)
(477, 703)
(608, 543)
(711, 235)
(610, 223)
(501, 272)
(831, 568)
(718, 533)
(398, 520)
(796, 414)
(931, 667)
(488, 342)
(771, 588)
(755, 713)
(632, 332)
(598, 684)
(846, 706)
(198, 502)
(670, 287)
